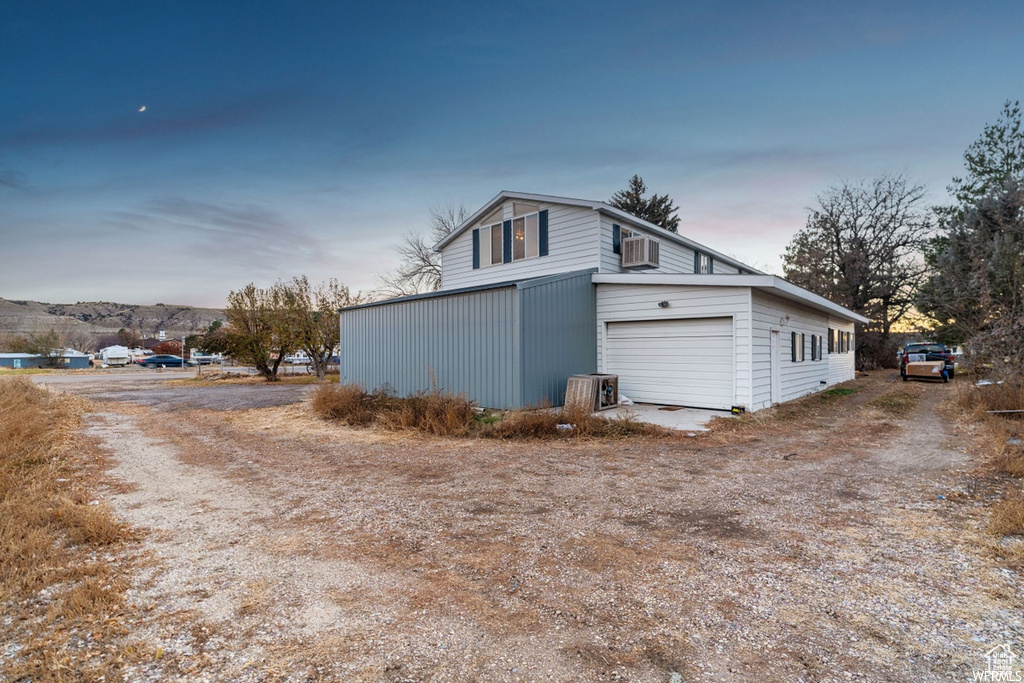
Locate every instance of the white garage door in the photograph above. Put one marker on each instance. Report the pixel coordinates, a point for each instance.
(674, 362)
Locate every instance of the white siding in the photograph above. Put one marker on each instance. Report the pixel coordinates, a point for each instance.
(841, 366)
(640, 302)
(795, 379)
(572, 245)
(674, 258)
(688, 362)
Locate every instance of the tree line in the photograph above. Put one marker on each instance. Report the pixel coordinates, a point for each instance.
(876, 248)
(266, 324)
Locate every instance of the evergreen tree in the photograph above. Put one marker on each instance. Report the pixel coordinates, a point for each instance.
(657, 209)
(974, 293)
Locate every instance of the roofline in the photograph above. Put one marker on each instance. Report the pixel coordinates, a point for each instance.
(776, 285)
(600, 207)
(522, 283)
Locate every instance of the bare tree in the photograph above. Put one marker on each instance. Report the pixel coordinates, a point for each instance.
(861, 248)
(420, 270)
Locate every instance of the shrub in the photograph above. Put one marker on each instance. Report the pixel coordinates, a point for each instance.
(434, 412)
(1008, 515)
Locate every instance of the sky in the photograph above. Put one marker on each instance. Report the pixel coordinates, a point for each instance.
(170, 152)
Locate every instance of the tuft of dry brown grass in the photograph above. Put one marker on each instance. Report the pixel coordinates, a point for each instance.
(433, 412)
(1007, 517)
(64, 601)
(442, 414)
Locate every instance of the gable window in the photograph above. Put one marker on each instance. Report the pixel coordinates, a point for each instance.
(521, 238)
(619, 233)
(703, 263)
(525, 237)
(490, 245)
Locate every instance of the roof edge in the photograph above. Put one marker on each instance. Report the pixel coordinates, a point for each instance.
(783, 288)
(600, 207)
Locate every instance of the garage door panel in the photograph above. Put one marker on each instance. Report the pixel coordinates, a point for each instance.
(676, 362)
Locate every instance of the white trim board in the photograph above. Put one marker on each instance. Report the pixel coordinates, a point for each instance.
(770, 283)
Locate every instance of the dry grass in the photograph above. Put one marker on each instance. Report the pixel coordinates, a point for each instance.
(899, 402)
(441, 414)
(1007, 517)
(567, 422)
(64, 600)
(433, 412)
(1001, 437)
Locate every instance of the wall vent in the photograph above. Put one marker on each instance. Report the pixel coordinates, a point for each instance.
(640, 252)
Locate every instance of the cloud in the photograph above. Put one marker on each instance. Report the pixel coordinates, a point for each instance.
(247, 235)
(157, 124)
(12, 180)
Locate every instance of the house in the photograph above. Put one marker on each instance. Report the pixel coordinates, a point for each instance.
(536, 288)
(68, 359)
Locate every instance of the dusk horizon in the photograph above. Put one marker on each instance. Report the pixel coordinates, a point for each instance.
(173, 153)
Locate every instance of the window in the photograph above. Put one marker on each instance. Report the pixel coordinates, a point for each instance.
(618, 234)
(703, 263)
(797, 352)
(490, 245)
(815, 347)
(839, 341)
(523, 237)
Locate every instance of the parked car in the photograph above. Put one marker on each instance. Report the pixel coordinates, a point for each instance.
(164, 360)
(928, 352)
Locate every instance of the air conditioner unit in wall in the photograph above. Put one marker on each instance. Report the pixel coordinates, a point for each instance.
(640, 252)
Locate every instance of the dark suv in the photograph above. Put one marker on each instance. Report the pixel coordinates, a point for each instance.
(930, 352)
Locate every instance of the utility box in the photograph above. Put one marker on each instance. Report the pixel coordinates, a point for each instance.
(593, 392)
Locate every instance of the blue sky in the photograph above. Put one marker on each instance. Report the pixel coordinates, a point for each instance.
(282, 139)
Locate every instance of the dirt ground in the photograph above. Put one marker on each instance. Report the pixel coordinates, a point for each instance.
(844, 542)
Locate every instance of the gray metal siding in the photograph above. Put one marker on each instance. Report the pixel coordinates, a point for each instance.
(504, 348)
(558, 322)
(466, 343)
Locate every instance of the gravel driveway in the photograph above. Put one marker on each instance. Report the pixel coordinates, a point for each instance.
(842, 543)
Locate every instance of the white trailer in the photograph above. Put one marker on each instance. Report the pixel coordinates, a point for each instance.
(116, 356)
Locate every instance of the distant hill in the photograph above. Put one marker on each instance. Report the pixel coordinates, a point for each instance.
(96, 320)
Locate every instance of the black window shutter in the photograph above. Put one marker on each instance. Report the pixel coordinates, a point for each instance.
(711, 264)
(542, 233)
(696, 262)
(616, 239)
(831, 340)
(506, 242)
(792, 344)
(476, 247)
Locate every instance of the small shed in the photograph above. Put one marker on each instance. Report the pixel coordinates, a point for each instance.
(504, 345)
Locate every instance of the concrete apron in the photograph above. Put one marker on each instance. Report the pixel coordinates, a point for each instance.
(682, 419)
